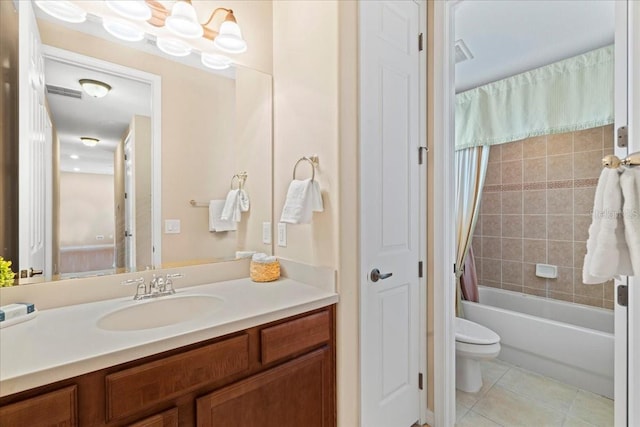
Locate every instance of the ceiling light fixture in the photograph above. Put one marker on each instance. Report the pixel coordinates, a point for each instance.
(63, 10)
(123, 30)
(89, 142)
(131, 9)
(94, 88)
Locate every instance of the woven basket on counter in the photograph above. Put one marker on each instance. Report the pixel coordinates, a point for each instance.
(264, 272)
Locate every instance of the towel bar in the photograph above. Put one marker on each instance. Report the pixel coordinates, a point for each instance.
(614, 162)
(198, 204)
(313, 160)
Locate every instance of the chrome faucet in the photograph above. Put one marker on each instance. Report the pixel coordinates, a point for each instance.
(158, 286)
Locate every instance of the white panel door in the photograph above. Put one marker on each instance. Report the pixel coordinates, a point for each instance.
(389, 139)
(32, 146)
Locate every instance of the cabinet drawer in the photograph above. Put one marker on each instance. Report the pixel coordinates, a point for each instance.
(57, 408)
(134, 389)
(294, 336)
(165, 419)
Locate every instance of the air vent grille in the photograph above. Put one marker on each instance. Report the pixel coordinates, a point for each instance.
(63, 91)
(462, 52)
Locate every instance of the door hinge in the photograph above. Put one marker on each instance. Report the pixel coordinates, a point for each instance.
(420, 269)
(623, 136)
(420, 151)
(623, 295)
(420, 45)
(125, 195)
(420, 380)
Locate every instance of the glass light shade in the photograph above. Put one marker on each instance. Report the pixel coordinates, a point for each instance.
(63, 10)
(132, 9)
(173, 47)
(74, 156)
(183, 21)
(95, 88)
(89, 142)
(215, 61)
(123, 30)
(229, 38)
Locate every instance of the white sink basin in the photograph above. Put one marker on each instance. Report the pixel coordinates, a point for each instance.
(160, 312)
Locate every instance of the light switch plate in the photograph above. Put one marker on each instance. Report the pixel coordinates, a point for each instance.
(266, 233)
(171, 226)
(282, 234)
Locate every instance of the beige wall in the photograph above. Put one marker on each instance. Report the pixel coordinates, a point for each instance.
(537, 203)
(86, 206)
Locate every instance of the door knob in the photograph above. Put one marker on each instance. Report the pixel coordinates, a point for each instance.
(376, 275)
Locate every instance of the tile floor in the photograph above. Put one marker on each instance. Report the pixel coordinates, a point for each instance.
(514, 397)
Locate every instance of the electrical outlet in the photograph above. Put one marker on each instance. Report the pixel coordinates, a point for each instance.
(266, 233)
(282, 234)
(171, 226)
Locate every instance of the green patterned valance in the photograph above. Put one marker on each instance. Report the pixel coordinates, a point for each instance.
(570, 95)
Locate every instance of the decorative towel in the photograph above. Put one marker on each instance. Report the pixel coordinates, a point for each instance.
(303, 198)
(630, 183)
(243, 201)
(215, 222)
(244, 254)
(231, 210)
(607, 251)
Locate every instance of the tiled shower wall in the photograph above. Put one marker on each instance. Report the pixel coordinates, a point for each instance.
(536, 208)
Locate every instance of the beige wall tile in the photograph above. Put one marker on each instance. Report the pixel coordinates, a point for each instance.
(494, 174)
(535, 201)
(491, 225)
(595, 302)
(533, 291)
(492, 284)
(588, 139)
(587, 164)
(477, 230)
(511, 225)
(560, 167)
(609, 290)
(492, 247)
(608, 304)
(579, 251)
(512, 172)
(560, 253)
(561, 143)
(581, 227)
(491, 203)
(534, 147)
(492, 270)
(560, 227)
(512, 287)
(495, 153)
(511, 202)
(593, 291)
(583, 199)
(535, 170)
(560, 201)
(535, 251)
(512, 272)
(476, 245)
(478, 269)
(560, 296)
(608, 136)
(529, 278)
(534, 226)
(563, 283)
(512, 151)
(512, 249)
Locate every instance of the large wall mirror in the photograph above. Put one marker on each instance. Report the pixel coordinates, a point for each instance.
(164, 143)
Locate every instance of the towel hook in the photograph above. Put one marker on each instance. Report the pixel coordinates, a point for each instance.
(241, 177)
(312, 161)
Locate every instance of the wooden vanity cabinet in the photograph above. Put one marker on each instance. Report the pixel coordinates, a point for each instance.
(278, 374)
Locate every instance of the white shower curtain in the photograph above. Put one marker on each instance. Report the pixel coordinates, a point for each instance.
(471, 170)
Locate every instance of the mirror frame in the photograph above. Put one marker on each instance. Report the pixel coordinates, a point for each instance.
(155, 81)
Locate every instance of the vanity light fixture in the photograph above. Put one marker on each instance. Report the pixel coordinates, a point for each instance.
(74, 157)
(95, 88)
(76, 169)
(183, 21)
(215, 61)
(123, 30)
(89, 142)
(131, 9)
(63, 10)
(172, 46)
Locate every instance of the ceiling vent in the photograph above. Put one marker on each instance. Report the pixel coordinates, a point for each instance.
(462, 51)
(63, 91)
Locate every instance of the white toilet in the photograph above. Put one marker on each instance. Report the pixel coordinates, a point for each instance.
(473, 343)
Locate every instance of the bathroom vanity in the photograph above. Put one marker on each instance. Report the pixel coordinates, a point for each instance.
(269, 360)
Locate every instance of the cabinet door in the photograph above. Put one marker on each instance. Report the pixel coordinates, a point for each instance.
(297, 393)
(58, 408)
(165, 419)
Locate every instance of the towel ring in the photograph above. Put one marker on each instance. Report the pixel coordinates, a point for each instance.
(236, 177)
(313, 167)
(241, 177)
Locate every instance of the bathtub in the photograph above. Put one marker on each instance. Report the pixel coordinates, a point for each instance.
(569, 342)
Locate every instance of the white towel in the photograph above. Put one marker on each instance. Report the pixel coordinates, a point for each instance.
(630, 183)
(215, 222)
(231, 210)
(262, 258)
(303, 198)
(607, 251)
(243, 201)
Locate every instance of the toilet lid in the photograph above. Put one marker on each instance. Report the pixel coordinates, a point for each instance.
(472, 333)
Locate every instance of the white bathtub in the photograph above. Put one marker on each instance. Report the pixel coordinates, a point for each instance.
(570, 342)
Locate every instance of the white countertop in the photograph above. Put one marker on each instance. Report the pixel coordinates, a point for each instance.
(64, 342)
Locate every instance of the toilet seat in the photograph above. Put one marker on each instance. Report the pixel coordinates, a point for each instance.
(473, 333)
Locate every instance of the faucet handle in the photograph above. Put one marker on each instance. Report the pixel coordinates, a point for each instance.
(175, 276)
(139, 280)
(168, 284)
